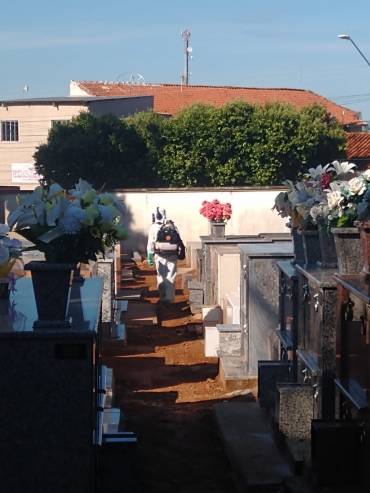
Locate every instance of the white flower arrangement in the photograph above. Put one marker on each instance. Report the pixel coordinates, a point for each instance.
(334, 198)
(324, 195)
(356, 186)
(71, 226)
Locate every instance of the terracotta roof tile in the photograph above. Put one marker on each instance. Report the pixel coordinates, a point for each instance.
(358, 149)
(358, 144)
(170, 98)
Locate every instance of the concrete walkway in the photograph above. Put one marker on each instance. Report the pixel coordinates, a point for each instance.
(139, 313)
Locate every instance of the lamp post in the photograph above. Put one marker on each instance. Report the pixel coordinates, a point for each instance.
(348, 38)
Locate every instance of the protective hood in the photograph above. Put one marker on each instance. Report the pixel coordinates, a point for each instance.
(159, 215)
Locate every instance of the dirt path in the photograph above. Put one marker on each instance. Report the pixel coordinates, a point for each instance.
(166, 389)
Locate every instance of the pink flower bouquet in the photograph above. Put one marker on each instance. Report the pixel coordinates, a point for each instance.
(215, 211)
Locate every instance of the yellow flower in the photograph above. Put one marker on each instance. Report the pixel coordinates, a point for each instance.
(89, 196)
(295, 219)
(106, 199)
(95, 232)
(92, 210)
(121, 234)
(87, 221)
(19, 198)
(104, 226)
(113, 211)
(303, 210)
(6, 267)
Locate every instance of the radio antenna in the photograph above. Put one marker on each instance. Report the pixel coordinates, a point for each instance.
(187, 50)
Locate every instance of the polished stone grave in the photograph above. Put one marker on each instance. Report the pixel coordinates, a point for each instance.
(209, 244)
(317, 302)
(259, 313)
(49, 418)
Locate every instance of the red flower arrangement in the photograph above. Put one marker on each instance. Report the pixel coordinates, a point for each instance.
(215, 211)
(326, 178)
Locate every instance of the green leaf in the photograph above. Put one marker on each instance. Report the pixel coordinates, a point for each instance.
(342, 221)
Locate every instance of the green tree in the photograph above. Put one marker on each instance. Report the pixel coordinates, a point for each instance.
(99, 149)
(150, 127)
(187, 147)
(235, 145)
(328, 139)
(244, 144)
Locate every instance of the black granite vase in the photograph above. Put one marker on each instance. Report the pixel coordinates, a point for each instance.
(348, 247)
(217, 229)
(297, 247)
(311, 246)
(51, 285)
(77, 276)
(5, 307)
(329, 258)
(4, 290)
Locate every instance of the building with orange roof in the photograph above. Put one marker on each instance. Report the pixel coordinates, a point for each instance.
(25, 123)
(170, 98)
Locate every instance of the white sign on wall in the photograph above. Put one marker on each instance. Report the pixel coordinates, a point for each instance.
(24, 173)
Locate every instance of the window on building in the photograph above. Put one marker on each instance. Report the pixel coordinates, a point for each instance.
(59, 122)
(9, 130)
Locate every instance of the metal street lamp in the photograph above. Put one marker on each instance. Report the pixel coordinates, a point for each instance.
(345, 36)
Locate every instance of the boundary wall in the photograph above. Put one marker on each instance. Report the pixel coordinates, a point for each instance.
(251, 207)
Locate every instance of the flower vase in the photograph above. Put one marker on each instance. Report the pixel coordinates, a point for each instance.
(311, 246)
(329, 258)
(364, 230)
(217, 229)
(348, 247)
(4, 289)
(297, 240)
(51, 286)
(5, 307)
(77, 276)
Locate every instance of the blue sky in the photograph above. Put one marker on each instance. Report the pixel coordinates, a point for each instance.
(265, 43)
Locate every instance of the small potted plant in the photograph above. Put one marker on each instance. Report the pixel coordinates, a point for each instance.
(69, 227)
(317, 206)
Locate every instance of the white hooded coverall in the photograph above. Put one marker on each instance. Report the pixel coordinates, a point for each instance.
(166, 264)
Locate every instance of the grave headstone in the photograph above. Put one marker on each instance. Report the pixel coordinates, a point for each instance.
(317, 302)
(259, 313)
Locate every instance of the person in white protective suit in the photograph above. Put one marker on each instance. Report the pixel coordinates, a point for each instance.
(165, 260)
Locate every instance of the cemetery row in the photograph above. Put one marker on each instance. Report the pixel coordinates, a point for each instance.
(290, 313)
(60, 429)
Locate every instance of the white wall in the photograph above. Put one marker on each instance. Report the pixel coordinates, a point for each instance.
(251, 211)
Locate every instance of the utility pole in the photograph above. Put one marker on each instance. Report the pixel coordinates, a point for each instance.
(187, 50)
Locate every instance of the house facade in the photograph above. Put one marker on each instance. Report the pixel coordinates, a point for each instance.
(25, 124)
